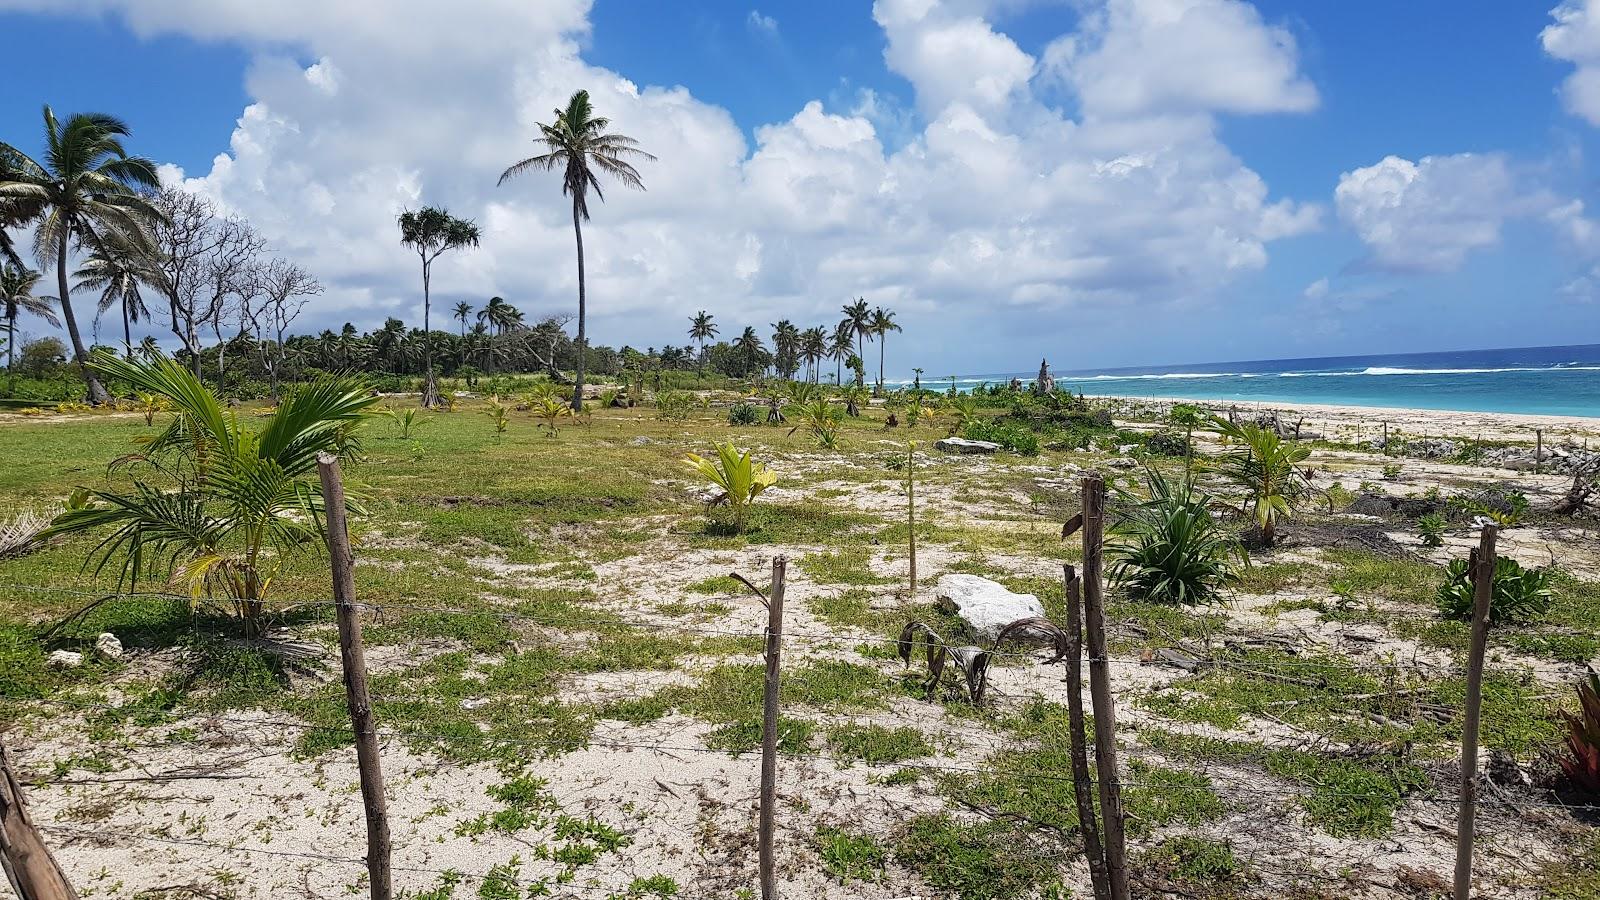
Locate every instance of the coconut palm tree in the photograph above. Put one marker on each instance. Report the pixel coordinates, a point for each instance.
(814, 349)
(215, 504)
(14, 211)
(117, 273)
(463, 311)
(498, 315)
(859, 318)
(841, 347)
(882, 323)
(702, 329)
(577, 143)
(751, 350)
(432, 231)
(17, 297)
(785, 347)
(86, 196)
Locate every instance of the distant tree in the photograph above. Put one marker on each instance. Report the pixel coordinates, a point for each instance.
(752, 353)
(701, 329)
(882, 323)
(463, 311)
(42, 356)
(814, 349)
(578, 143)
(859, 318)
(85, 193)
(785, 348)
(431, 232)
(840, 347)
(16, 295)
(117, 272)
(499, 316)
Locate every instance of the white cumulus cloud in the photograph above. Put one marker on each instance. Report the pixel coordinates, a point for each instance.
(1574, 36)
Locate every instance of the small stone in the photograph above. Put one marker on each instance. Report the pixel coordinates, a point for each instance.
(474, 702)
(641, 441)
(1122, 462)
(108, 646)
(65, 659)
(962, 445)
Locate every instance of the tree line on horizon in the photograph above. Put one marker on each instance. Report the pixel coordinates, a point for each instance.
(104, 225)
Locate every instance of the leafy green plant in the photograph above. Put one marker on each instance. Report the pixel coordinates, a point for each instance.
(1013, 436)
(1264, 465)
(740, 478)
(499, 414)
(849, 856)
(822, 420)
(1582, 766)
(150, 404)
(1391, 471)
(1431, 527)
(551, 409)
(406, 419)
(963, 411)
(854, 396)
(238, 502)
(674, 404)
(743, 413)
(1520, 595)
(1169, 549)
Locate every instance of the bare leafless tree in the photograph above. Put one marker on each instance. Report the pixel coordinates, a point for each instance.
(185, 236)
(285, 290)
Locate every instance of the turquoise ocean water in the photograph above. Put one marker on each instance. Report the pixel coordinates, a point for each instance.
(1548, 380)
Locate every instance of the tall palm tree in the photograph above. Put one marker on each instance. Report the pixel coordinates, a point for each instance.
(85, 196)
(497, 314)
(840, 348)
(882, 323)
(702, 329)
(785, 347)
(432, 231)
(751, 350)
(814, 349)
(859, 318)
(14, 211)
(117, 273)
(16, 294)
(577, 143)
(463, 311)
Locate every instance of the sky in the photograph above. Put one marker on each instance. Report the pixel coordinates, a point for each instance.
(1096, 182)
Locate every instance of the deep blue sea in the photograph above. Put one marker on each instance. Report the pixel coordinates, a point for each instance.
(1548, 380)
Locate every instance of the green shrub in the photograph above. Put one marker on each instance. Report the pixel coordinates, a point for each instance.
(1520, 595)
(1012, 436)
(1166, 443)
(744, 414)
(1431, 527)
(1170, 549)
(849, 856)
(673, 404)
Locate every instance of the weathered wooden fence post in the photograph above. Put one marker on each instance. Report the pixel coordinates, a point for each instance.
(769, 731)
(1105, 713)
(1538, 450)
(32, 871)
(354, 662)
(1482, 568)
(1082, 782)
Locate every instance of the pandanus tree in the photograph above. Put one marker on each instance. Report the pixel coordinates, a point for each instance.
(85, 196)
(16, 297)
(579, 145)
(431, 232)
(214, 505)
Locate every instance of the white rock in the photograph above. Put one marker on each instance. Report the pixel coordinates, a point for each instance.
(65, 659)
(108, 646)
(985, 606)
(962, 445)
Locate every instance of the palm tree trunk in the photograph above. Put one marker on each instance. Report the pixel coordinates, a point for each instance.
(430, 389)
(11, 353)
(97, 392)
(127, 332)
(577, 385)
(882, 339)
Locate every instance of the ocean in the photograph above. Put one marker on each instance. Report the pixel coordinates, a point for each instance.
(1545, 380)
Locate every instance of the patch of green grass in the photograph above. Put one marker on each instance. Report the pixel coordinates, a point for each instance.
(1198, 867)
(794, 736)
(1577, 877)
(1397, 580)
(850, 856)
(851, 565)
(526, 804)
(850, 608)
(976, 861)
(717, 584)
(661, 886)
(1271, 578)
(876, 745)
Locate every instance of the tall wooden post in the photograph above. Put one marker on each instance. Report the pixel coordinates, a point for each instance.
(1482, 568)
(1082, 783)
(769, 732)
(1105, 713)
(354, 661)
(1538, 449)
(32, 871)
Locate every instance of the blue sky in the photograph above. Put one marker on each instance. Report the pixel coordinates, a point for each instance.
(1242, 203)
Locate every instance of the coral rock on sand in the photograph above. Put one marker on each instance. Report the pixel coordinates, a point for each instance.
(65, 659)
(108, 646)
(962, 445)
(985, 606)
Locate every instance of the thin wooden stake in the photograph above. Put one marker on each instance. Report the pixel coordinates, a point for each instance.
(354, 661)
(1538, 450)
(1105, 713)
(1082, 782)
(1482, 568)
(33, 872)
(769, 732)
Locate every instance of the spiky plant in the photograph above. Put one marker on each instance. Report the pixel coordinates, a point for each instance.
(551, 409)
(1582, 767)
(405, 419)
(1169, 549)
(1519, 595)
(1266, 467)
(821, 419)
